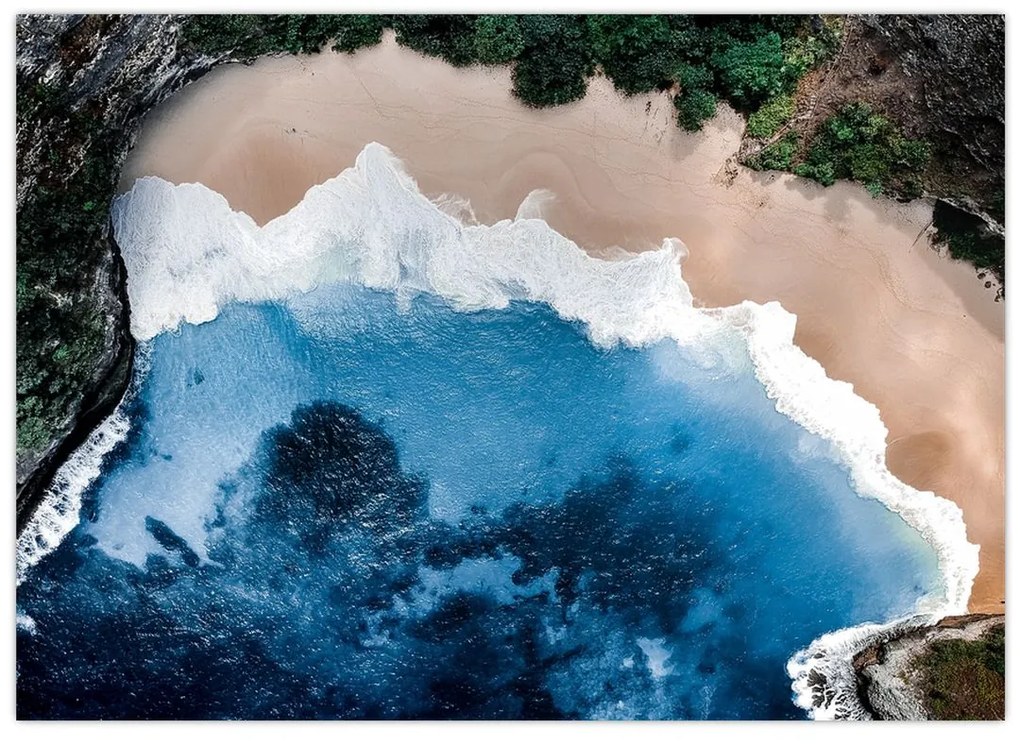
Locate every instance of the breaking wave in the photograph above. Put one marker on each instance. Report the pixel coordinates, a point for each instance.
(188, 255)
(58, 511)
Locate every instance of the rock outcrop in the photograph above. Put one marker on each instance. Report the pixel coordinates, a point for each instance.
(893, 674)
(959, 64)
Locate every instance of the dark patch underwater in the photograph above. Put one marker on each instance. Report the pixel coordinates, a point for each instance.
(649, 586)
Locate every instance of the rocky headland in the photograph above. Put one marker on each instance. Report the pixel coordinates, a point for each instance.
(952, 670)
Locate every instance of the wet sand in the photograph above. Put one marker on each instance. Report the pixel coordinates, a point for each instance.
(918, 335)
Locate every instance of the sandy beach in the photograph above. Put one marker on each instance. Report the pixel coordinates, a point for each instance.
(916, 334)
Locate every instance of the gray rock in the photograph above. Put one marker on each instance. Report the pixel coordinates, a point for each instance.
(960, 60)
(890, 681)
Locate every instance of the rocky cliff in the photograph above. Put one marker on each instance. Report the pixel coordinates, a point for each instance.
(951, 670)
(941, 79)
(84, 83)
(956, 66)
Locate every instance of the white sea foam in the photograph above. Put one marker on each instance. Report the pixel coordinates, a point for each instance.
(656, 656)
(188, 255)
(25, 622)
(58, 512)
(59, 509)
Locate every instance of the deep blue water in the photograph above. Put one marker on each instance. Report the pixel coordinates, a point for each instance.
(350, 507)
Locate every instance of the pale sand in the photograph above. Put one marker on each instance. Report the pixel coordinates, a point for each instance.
(916, 334)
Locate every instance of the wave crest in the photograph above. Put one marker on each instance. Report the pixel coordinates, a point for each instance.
(188, 255)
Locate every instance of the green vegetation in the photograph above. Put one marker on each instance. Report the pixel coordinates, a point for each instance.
(743, 59)
(556, 60)
(638, 53)
(804, 52)
(451, 37)
(498, 39)
(752, 71)
(59, 231)
(249, 36)
(864, 146)
(695, 103)
(777, 156)
(856, 143)
(693, 108)
(772, 115)
(967, 238)
(966, 680)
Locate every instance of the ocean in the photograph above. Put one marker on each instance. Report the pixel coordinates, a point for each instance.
(377, 462)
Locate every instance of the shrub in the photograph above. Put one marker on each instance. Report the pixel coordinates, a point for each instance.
(752, 71)
(824, 173)
(556, 60)
(637, 52)
(691, 77)
(451, 37)
(214, 34)
(352, 32)
(857, 143)
(255, 35)
(772, 115)
(693, 108)
(804, 52)
(498, 39)
(777, 156)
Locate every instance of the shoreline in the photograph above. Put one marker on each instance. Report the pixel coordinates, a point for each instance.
(623, 174)
(651, 304)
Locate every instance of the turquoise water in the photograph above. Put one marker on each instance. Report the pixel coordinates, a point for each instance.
(350, 504)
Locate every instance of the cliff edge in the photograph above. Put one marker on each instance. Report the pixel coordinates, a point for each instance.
(953, 670)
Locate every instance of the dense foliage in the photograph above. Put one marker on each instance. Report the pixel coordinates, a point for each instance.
(451, 37)
(59, 230)
(695, 102)
(555, 62)
(859, 144)
(744, 59)
(255, 35)
(693, 108)
(498, 39)
(772, 115)
(966, 680)
(777, 156)
(968, 239)
(751, 72)
(638, 53)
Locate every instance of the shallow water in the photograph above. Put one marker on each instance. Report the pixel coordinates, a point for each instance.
(358, 504)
